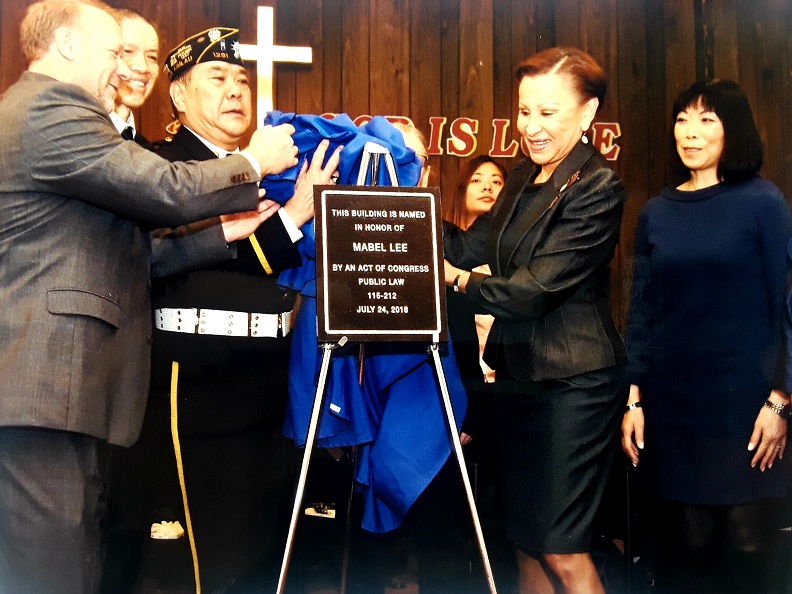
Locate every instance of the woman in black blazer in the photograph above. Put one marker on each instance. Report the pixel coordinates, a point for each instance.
(549, 241)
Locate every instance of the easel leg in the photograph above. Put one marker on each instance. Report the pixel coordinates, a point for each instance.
(348, 528)
(462, 469)
(309, 444)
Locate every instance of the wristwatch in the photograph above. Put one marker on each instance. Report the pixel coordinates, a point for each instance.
(782, 410)
(455, 284)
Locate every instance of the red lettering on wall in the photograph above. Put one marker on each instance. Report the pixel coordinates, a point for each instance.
(462, 142)
(499, 129)
(436, 125)
(605, 133)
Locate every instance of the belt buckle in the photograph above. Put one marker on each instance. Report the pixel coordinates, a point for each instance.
(264, 325)
(284, 322)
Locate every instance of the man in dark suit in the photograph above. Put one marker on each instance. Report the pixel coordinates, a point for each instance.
(227, 325)
(141, 55)
(75, 311)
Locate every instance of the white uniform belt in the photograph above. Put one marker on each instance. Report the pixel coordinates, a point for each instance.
(220, 322)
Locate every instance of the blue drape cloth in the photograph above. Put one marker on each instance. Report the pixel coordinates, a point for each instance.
(396, 416)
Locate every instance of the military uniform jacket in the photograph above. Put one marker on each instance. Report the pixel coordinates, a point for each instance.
(197, 269)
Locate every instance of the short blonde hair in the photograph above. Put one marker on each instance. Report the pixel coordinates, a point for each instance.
(413, 138)
(37, 30)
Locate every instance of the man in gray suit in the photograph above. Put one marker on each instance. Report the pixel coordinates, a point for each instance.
(76, 203)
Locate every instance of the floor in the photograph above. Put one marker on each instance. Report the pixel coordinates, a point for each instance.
(435, 549)
(434, 553)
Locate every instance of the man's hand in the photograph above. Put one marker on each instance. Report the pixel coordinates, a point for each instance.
(300, 207)
(273, 148)
(243, 224)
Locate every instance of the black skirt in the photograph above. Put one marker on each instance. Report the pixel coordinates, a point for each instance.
(555, 441)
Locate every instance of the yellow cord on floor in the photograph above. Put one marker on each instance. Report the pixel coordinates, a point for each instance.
(180, 466)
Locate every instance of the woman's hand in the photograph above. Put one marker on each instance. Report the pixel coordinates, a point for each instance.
(769, 434)
(450, 272)
(633, 427)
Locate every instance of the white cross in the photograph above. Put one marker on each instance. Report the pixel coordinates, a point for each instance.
(265, 53)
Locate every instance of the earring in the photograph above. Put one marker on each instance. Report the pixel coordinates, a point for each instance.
(584, 139)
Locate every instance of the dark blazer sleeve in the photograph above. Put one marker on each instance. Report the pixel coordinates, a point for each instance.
(467, 249)
(278, 248)
(580, 238)
(75, 151)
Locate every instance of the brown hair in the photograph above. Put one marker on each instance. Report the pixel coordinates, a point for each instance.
(587, 76)
(455, 210)
(37, 29)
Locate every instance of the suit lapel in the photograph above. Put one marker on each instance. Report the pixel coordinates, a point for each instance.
(511, 235)
(504, 209)
(192, 145)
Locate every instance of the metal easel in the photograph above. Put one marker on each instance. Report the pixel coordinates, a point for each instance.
(371, 166)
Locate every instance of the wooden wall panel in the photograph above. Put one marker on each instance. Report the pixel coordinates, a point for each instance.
(633, 104)
(390, 58)
(309, 79)
(355, 70)
(567, 23)
(452, 58)
(285, 84)
(528, 27)
(332, 52)
(657, 103)
(770, 67)
(721, 20)
(449, 86)
(475, 70)
(11, 58)
(680, 46)
(425, 70)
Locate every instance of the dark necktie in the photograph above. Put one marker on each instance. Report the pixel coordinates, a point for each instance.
(128, 133)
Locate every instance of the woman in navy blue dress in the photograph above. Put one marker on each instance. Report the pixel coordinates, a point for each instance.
(706, 418)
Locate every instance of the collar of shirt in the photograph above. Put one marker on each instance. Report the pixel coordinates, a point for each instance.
(121, 123)
(220, 152)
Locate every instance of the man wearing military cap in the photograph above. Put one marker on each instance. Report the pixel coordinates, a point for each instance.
(227, 325)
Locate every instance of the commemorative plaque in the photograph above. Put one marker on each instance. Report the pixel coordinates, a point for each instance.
(379, 264)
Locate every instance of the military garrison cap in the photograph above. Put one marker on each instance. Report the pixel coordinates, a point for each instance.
(217, 43)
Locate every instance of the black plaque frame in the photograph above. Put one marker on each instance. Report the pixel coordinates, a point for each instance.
(379, 259)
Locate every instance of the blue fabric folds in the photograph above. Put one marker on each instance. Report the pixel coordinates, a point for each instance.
(396, 415)
(310, 130)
